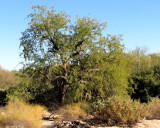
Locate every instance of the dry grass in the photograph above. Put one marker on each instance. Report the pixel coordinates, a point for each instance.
(74, 111)
(125, 112)
(117, 111)
(20, 114)
(2, 121)
(121, 111)
(153, 109)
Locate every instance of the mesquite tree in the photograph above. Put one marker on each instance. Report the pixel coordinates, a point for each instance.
(62, 50)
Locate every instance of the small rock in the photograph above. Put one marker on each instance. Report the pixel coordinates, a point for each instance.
(45, 117)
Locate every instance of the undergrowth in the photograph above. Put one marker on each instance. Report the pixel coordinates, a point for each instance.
(153, 111)
(121, 111)
(113, 111)
(74, 111)
(20, 114)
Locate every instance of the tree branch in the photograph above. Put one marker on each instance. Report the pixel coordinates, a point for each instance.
(96, 69)
(80, 43)
(51, 40)
(56, 77)
(45, 75)
(54, 45)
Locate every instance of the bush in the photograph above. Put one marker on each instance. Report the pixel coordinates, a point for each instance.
(20, 114)
(145, 84)
(28, 89)
(121, 111)
(74, 111)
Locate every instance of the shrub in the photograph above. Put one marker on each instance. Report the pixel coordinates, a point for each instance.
(22, 92)
(121, 111)
(74, 111)
(20, 114)
(145, 84)
(28, 89)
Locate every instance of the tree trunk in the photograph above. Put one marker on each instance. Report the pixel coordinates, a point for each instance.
(63, 92)
(65, 84)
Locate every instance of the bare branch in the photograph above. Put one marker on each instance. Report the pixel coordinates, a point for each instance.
(91, 70)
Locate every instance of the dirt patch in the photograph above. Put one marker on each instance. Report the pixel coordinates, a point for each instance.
(148, 124)
(141, 124)
(52, 122)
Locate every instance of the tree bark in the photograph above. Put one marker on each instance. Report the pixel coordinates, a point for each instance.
(65, 84)
(63, 92)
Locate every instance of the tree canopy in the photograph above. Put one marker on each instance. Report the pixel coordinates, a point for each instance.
(77, 55)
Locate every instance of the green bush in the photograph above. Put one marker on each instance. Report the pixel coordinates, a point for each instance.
(35, 89)
(145, 84)
(20, 92)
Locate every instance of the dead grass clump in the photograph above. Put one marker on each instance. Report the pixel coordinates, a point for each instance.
(153, 109)
(20, 114)
(121, 111)
(74, 111)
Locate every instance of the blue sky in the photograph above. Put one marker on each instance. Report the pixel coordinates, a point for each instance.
(137, 20)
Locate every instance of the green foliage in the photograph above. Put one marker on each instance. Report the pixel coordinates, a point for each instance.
(20, 92)
(31, 85)
(144, 80)
(106, 76)
(75, 58)
(142, 61)
(7, 80)
(51, 37)
(146, 84)
(154, 59)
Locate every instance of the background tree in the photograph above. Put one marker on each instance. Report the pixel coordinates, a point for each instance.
(154, 59)
(8, 79)
(144, 81)
(146, 84)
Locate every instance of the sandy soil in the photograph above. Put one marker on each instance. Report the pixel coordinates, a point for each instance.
(148, 124)
(141, 124)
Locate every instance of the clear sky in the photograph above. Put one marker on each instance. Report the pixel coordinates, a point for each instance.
(137, 20)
